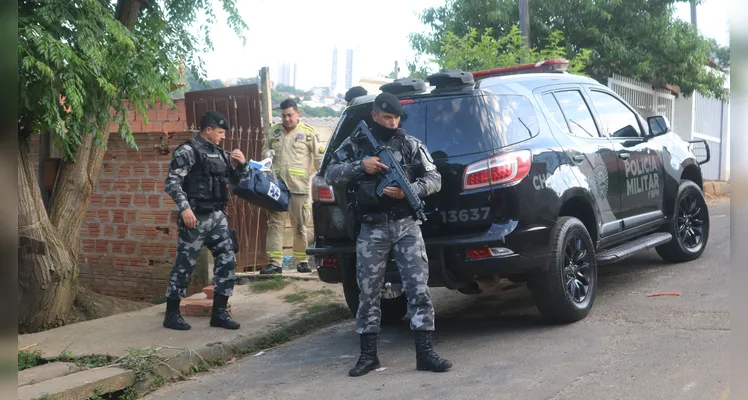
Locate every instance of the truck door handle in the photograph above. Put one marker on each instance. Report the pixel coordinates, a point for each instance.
(624, 156)
(578, 158)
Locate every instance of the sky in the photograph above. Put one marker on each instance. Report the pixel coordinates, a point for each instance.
(305, 32)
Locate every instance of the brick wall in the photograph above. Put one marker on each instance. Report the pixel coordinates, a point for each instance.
(128, 236)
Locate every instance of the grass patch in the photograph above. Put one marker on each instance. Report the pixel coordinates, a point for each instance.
(303, 295)
(29, 359)
(296, 297)
(319, 307)
(124, 394)
(142, 362)
(266, 285)
(46, 396)
(91, 361)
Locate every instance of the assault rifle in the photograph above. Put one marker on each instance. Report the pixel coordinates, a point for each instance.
(394, 176)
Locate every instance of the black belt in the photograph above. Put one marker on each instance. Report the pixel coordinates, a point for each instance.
(207, 208)
(384, 216)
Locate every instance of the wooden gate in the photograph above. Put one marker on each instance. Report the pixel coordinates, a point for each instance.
(242, 106)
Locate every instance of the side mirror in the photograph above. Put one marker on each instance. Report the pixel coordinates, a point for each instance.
(658, 125)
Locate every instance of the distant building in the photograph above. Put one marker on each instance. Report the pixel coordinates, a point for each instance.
(320, 91)
(372, 84)
(287, 74)
(334, 77)
(349, 69)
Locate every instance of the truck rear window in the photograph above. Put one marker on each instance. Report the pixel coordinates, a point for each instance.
(466, 125)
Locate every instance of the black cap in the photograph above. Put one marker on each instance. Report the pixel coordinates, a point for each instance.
(356, 91)
(213, 118)
(388, 103)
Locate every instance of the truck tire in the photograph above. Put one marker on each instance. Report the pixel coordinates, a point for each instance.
(393, 310)
(565, 291)
(689, 225)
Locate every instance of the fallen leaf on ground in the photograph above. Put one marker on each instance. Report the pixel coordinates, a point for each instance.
(675, 294)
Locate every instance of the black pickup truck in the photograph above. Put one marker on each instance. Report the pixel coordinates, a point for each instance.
(546, 175)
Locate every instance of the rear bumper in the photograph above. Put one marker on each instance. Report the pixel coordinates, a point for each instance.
(448, 264)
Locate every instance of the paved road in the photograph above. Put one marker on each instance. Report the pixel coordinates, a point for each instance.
(630, 347)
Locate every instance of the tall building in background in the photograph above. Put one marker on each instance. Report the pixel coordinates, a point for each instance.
(334, 78)
(348, 69)
(287, 74)
(295, 69)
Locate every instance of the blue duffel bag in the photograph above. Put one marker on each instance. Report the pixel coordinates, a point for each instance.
(263, 191)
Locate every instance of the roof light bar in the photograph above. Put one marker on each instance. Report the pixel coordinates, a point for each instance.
(557, 65)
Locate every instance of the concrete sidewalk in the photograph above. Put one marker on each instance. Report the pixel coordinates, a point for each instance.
(114, 335)
(259, 313)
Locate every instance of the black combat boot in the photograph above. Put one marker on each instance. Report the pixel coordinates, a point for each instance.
(173, 319)
(368, 360)
(219, 317)
(303, 268)
(426, 358)
(271, 269)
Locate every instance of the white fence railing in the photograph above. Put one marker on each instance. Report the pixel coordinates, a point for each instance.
(694, 117)
(647, 101)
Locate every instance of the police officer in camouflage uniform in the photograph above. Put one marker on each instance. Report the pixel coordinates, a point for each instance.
(388, 227)
(198, 182)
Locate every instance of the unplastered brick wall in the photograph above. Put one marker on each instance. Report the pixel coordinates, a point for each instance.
(128, 236)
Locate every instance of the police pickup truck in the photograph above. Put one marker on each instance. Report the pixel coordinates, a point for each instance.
(546, 175)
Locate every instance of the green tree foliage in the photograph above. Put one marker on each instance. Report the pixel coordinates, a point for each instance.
(471, 53)
(79, 64)
(637, 38)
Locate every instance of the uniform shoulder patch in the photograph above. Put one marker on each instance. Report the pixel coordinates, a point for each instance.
(276, 130)
(306, 128)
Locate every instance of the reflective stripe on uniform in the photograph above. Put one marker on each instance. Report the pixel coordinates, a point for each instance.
(296, 172)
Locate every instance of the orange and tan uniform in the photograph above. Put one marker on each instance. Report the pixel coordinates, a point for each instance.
(296, 153)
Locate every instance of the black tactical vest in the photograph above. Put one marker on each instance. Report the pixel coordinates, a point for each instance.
(365, 197)
(207, 183)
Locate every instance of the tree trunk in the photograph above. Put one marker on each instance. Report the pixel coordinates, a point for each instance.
(48, 269)
(75, 184)
(48, 246)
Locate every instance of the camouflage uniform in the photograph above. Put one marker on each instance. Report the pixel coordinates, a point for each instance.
(382, 232)
(212, 228)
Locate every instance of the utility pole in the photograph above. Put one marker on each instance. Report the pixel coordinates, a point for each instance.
(524, 21)
(267, 105)
(693, 14)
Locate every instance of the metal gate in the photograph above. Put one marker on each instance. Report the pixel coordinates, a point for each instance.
(242, 106)
(647, 101)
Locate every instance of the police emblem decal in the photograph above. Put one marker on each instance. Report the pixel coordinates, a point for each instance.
(300, 136)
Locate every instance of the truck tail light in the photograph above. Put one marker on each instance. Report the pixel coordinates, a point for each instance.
(485, 252)
(321, 191)
(498, 170)
(328, 262)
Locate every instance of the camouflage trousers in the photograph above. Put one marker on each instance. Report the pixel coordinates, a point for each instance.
(401, 238)
(212, 231)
